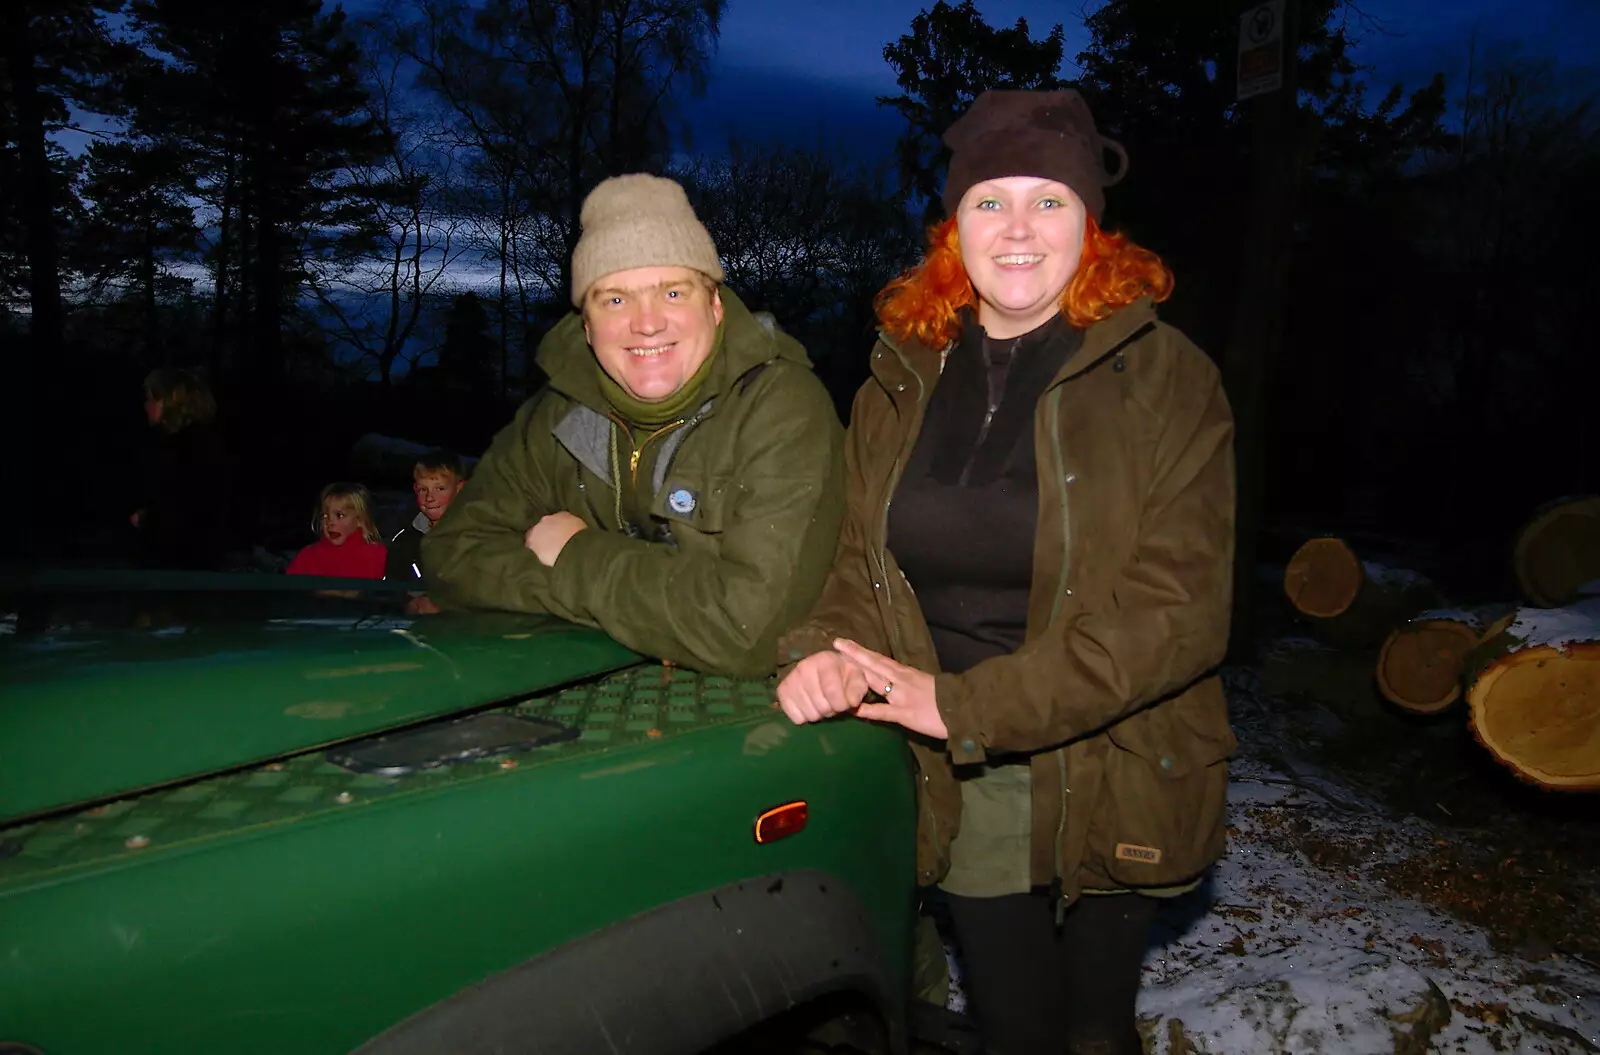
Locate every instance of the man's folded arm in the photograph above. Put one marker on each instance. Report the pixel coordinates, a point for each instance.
(723, 613)
(475, 556)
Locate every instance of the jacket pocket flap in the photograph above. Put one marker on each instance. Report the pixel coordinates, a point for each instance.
(1180, 735)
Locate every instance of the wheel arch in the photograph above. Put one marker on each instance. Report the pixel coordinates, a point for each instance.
(673, 980)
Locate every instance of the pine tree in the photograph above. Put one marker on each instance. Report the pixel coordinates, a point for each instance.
(140, 220)
(556, 96)
(56, 56)
(466, 358)
(950, 57)
(266, 97)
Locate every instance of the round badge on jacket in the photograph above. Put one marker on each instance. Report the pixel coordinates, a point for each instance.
(681, 501)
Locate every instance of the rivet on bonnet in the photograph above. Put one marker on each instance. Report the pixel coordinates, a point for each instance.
(1046, 134)
(638, 220)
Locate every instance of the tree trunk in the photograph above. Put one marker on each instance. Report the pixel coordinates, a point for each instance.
(220, 298)
(505, 311)
(1256, 335)
(267, 327)
(40, 238)
(1533, 695)
(148, 272)
(1420, 666)
(1352, 604)
(1557, 551)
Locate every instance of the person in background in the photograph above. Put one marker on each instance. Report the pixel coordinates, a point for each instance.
(350, 546)
(436, 479)
(1034, 579)
(182, 517)
(678, 482)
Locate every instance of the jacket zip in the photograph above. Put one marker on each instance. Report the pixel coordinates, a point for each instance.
(881, 549)
(1061, 831)
(638, 449)
(983, 433)
(1061, 582)
(1055, 612)
(993, 405)
(880, 552)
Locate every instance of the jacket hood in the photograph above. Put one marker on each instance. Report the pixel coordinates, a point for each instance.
(748, 340)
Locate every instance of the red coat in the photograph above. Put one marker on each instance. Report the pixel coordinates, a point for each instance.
(356, 559)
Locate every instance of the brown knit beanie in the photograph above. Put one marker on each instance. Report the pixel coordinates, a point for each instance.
(1046, 134)
(638, 220)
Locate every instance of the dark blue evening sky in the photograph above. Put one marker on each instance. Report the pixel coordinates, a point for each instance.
(806, 72)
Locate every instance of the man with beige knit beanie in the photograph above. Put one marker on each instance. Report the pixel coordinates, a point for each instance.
(679, 481)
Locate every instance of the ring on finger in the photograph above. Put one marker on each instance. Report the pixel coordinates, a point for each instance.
(888, 687)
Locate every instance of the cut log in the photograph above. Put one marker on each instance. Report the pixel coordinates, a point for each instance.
(1420, 666)
(1557, 552)
(1533, 695)
(1323, 577)
(1352, 603)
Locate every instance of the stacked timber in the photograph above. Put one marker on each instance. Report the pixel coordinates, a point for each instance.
(1533, 694)
(1352, 603)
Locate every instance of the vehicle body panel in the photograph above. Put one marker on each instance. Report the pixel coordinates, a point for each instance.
(300, 907)
(131, 691)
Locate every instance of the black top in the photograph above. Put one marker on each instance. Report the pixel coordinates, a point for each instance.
(404, 560)
(964, 514)
(183, 518)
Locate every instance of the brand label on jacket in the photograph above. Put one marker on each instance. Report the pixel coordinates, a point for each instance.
(1150, 855)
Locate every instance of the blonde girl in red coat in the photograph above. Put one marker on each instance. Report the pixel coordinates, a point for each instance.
(350, 546)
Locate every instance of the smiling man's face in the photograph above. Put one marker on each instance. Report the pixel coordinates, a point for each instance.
(652, 328)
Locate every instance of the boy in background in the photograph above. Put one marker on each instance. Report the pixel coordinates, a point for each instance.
(436, 480)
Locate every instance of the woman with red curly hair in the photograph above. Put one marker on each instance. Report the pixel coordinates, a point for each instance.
(1033, 579)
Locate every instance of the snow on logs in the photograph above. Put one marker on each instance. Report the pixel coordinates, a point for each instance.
(1352, 603)
(1557, 551)
(1533, 694)
(1420, 666)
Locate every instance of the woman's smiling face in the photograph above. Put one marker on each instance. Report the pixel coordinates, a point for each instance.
(1021, 239)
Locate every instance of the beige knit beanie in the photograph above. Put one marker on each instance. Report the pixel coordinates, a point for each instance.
(638, 220)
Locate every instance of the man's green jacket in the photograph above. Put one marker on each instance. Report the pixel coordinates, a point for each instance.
(744, 498)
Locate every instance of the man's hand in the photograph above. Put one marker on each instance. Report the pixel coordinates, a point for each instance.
(821, 686)
(907, 692)
(421, 604)
(550, 535)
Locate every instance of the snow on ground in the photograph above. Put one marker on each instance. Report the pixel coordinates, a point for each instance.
(1393, 577)
(1293, 947)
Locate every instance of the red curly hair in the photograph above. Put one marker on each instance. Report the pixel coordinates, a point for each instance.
(924, 303)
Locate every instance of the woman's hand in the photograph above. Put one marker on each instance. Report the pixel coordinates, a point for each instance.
(907, 692)
(821, 686)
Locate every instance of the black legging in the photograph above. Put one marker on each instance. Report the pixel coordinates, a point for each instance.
(1039, 989)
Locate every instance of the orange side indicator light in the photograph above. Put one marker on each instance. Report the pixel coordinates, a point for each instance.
(780, 822)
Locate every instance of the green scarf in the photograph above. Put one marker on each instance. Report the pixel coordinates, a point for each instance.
(643, 415)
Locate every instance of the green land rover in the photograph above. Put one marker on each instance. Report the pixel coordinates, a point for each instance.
(252, 814)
